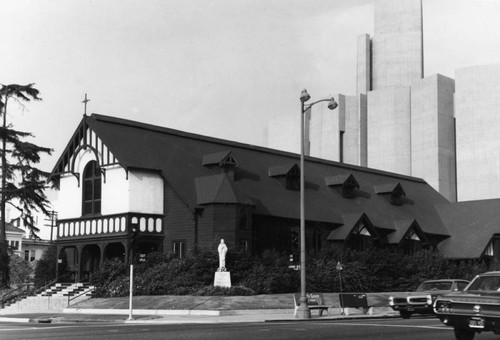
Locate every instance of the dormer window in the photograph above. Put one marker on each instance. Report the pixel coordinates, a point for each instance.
(91, 189)
(362, 237)
(223, 160)
(392, 191)
(414, 236)
(361, 230)
(346, 184)
(289, 175)
(414, 240)
(492, 251)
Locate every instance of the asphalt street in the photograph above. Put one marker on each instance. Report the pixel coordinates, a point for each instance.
(393, 328)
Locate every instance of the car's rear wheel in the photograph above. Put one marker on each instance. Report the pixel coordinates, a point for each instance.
(464, 333)
(405, 314)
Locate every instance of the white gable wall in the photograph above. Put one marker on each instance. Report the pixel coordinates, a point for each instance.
(147, 189)
(69, 199)
(141, 192)
(69, 202)
(115, 192)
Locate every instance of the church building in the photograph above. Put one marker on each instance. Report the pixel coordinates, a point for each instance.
(128, 188)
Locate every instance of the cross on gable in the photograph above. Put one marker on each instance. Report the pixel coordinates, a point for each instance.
(85, 101)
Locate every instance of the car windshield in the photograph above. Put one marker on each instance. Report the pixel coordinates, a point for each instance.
(491, 283)
(446, 285)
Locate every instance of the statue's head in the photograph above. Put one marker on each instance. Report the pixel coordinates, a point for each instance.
(221, 240)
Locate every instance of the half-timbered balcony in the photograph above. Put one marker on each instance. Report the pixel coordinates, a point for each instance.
(109, 226)
(84, 243)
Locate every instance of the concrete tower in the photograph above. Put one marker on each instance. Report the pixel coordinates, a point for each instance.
(477, 102)
(397, 45)
(396, 63)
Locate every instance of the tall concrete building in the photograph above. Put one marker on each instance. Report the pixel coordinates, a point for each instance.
(446, 131)
(477, 114)
(397, 46)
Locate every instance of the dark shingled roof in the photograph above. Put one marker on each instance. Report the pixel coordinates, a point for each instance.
(178, 156)
(342, 232)
(473, 224)
(388, 188)
(215, 158)
(218, 189)
(401, 229)
(281, 170)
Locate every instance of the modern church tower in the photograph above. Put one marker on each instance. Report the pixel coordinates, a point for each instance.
(409, 117)
(443, 130)
(397, 46)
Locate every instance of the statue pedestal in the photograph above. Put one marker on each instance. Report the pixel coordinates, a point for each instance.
(222, 279)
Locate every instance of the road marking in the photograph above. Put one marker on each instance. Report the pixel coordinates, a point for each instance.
(56, 327)
(393, 326)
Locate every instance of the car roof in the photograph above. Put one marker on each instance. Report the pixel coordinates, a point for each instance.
(448, 280)
(493, 273)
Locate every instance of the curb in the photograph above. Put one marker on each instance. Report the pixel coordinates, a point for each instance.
(177, 312)
(340, 317)
(187, 316)
(19, 320)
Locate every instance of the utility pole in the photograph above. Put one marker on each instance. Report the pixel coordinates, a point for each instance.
(51, 222)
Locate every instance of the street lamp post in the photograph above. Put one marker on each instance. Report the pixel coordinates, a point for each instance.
(303, 311)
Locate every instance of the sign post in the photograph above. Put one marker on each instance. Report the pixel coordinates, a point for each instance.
(339, 269)
(134, 232)
(131, 287)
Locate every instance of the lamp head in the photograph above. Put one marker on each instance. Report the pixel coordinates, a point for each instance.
(332, 104)
(304, 96)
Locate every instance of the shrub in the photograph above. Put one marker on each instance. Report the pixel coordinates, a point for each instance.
(373, 270)
(109, 279)
(45, 268)
(221, 291)
(20, 270)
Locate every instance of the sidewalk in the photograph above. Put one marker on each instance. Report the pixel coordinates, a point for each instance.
(187, 317)
(197, 309)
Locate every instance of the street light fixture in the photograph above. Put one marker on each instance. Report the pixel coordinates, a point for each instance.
(303, 312)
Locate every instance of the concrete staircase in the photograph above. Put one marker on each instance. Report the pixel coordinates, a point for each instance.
(54, 299)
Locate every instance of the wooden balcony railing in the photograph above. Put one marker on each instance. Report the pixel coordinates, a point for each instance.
(108, 225)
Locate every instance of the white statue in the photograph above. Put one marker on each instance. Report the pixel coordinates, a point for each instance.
(222, 256)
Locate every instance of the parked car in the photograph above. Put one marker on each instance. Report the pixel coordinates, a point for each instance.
(475, 310)
(421, 300)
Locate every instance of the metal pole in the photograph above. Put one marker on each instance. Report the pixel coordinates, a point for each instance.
(341, 296)
(131, 285)
(303, 312)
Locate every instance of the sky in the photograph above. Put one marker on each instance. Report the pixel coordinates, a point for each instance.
(220, 68)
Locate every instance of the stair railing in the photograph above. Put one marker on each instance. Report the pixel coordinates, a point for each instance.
(71, 298)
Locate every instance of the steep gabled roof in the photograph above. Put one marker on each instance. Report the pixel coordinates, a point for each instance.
(220, 158)
(282, 170)
(218, 189)
(344, 179)
(402, 228)
(472, 225)
(350, 222)
(178, 157)
(389, 188)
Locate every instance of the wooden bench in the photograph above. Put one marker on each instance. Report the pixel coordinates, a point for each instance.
(315, 301)
(354, 300)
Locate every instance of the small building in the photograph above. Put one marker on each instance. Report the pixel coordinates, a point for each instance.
(184, 191)
(33, 248)
(14, 237)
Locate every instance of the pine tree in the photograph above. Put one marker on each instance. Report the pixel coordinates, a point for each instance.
(22, 184)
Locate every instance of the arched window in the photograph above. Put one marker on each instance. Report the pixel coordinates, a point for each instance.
(91, 189)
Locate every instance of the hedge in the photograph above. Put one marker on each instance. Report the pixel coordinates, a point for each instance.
(373, 270)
